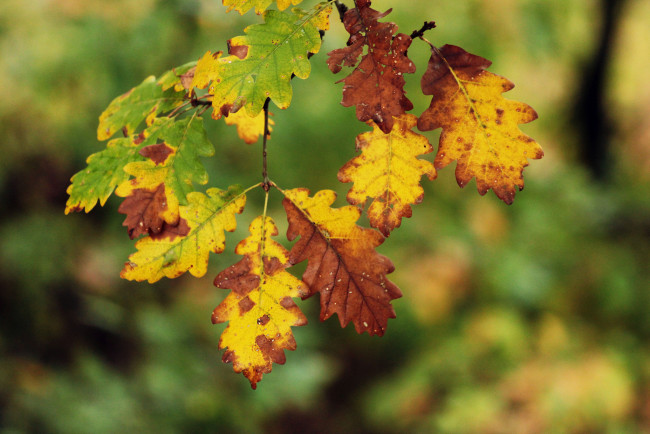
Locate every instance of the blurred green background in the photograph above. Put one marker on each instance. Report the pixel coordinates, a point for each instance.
(525, 318)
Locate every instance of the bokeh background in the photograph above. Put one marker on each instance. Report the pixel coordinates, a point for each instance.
(525, 318)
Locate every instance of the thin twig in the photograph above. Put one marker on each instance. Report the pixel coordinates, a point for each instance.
(428, 25)
(265, 174)
(202, 100)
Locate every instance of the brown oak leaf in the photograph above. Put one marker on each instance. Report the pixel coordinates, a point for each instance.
(144, 209)
(376, 85)
(342, 264)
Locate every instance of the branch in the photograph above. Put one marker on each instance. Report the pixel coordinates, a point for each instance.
(428, 25)
(265, 173)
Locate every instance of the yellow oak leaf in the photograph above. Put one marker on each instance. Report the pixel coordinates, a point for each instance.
(248, 128)
(389, 172)
(186, 246)
(479, 127)
(342, 264)
(259, 309)
(206, 70)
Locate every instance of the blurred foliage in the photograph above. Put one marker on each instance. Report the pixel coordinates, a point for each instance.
(528, 318)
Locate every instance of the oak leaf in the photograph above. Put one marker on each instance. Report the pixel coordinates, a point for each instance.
(342, 264)
(104, 172)
(243, 6)
(144, 210)
(389, 172)
(259, 309)
(376, 85)
(479, 126)
(178, 77)
(168, 173)
(248, 128)
(186, 246)
(261, 64)
(142, 103)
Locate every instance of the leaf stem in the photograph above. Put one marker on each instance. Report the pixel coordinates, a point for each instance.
(265, 173)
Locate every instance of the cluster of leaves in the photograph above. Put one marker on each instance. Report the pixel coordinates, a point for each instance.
(156, 168)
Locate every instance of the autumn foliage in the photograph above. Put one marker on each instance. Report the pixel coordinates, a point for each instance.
(156, 168)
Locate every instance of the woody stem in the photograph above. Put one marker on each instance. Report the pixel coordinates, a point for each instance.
(265, 174)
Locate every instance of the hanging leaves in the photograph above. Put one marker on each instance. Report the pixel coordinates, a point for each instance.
(259, 309)
(376, 86)
(261, 63)
(156, 168)
(388, 172)
(187, 245)
(479, 126)
(342, 264)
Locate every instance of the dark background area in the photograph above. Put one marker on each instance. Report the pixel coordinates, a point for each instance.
(524, 318)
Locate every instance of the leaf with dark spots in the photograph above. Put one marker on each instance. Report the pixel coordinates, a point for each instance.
(264, 319)
(342, 264)
(376, 85)
(238, 277)
(174, 163)
(239, 51)
(172, 232)
(480, 128)
(138, 140)
(246, 304)
(186, 245)
(157, 153)
(259, 309)
(143, 210)
(177, 77)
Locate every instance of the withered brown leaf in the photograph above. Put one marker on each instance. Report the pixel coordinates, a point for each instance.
(376, 86)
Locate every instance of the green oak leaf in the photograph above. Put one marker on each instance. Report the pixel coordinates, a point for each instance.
(105, 171)
(172, 78)
(143, 102)
(172, 149)
(261, 63)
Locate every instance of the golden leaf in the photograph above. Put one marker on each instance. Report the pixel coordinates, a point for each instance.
(186, 246)
(259, 309)
(248, 128)
(388, 172)
(479, 126)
